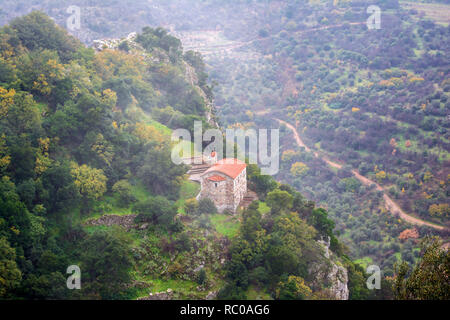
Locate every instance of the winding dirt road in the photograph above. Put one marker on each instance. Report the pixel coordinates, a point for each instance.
(390, 204)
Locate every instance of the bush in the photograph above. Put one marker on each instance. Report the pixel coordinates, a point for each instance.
(201, 277)
(157, 210)
(259, 276)
(206, 206)
(123, 189)
(184, 242)
(191, 206)
(124, 46)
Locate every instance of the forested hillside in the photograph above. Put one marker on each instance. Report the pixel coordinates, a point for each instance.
(78, 142)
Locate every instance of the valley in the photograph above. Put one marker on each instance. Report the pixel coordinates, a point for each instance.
(391, 206)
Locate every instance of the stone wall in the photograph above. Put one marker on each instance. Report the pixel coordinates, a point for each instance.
(240, 188)
(221, 193)
(126, 221)
(226, 194)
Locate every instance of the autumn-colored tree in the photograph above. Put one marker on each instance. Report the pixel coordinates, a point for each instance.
(148, 133)
(41, 70)
(191, 206)
(409, 234)
(293, 289)
(110, 63)
(288, 155)
(439, 210)
(381, 175)
(6, 99)
(91, 182)
(43, 160)
(5, 158)
(109, 98)
(299, 169)
(408, 143)
(427, 176)
(103, 149)
(393, 143)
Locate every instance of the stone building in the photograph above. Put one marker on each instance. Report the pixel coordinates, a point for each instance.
(225, 183)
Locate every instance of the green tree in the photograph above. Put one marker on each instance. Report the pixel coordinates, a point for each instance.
(201, 277)
(14, 216)
(157, 210)
(36, 30)
(191, 206)
(10, 274)
(429, 279)
(251, 222)
(279, 201)
(206, 206)
(160, 174)
(262, 184)
(123, 189)
(294, 288)
(58, 188)
(105, 264)
(319, 220)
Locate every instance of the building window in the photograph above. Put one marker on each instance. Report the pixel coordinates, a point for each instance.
(215, 184)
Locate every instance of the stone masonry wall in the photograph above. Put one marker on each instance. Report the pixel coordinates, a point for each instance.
(221, 193)
(226, 194)
(240, 188)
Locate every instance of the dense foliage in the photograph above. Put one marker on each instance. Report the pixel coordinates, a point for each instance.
(76, 130)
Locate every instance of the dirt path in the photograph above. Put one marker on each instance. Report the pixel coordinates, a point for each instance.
(390, 204)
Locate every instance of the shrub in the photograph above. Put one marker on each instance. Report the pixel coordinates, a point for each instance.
(191, 206)
(206, 206)
(123, 189)
(201, 277)
(157, 210)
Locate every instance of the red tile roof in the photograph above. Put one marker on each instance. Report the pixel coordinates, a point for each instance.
(229, 166)
(216, 178)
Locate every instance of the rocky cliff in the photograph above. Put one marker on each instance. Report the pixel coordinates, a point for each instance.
(329, 275)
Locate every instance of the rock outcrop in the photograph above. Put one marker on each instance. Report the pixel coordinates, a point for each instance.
(328, 274)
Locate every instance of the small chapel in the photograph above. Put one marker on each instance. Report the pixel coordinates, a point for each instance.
(225, 183)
